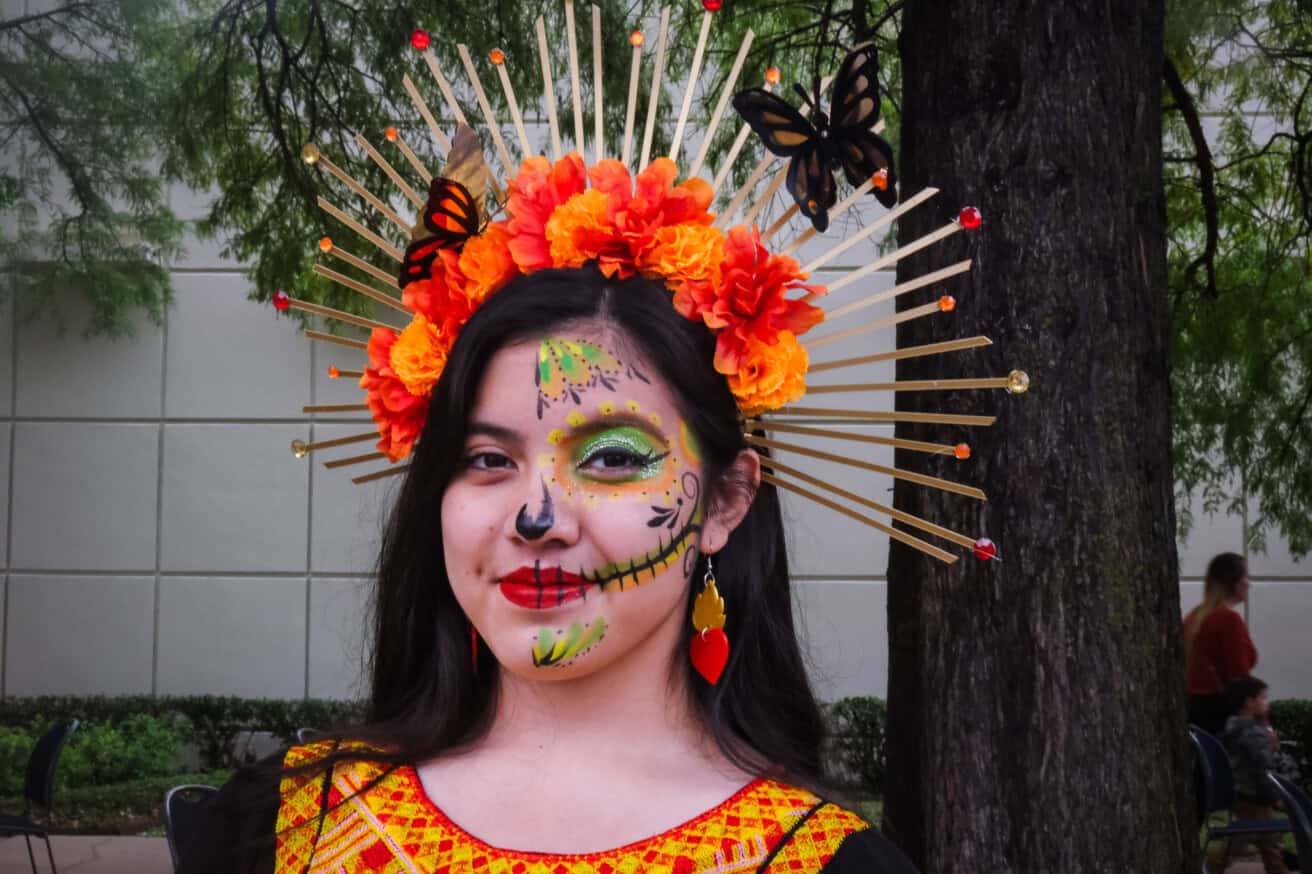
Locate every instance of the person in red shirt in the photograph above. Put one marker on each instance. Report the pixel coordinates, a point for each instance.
(1217, 646)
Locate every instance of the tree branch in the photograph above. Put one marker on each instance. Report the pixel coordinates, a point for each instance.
(1206, 177)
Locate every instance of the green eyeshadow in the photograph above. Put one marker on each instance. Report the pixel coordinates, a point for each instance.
(627, 439)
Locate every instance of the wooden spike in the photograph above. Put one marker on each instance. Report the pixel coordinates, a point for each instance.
(654, 97)
(901, 516)
(340, 341)
(380, 474)
(338, 373)
(335, 408)
(691, 84)
(741, 195)
(778, 224)
(888, 217)
(839, 208)
(726, 94)
(385, 247)
(895, 472)
(445, 87)
(761, 202)
(854, 436)
(420, 104)
(900, 354)
(635, 69)
(598, 115)
(911, 385)
(900, 289)
(339, 441)
(364, 193)
(572, 40)
(897, 255)
(548, 87)
(889, 416)
(361, 264)
(354, 459)
(914, 542)
(727, 167)
(928, 309)
(515, 117)
(337, 315)
(386, 167)
(420, 167)
(357, 286)
(493, 127)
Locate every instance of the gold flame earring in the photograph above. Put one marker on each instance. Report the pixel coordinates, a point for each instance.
(710, 645)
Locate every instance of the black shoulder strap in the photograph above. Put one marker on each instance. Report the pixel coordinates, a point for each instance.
(788, 836)
(324, 788)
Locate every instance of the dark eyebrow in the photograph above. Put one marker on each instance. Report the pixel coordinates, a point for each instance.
(496, 432)
(618, 419)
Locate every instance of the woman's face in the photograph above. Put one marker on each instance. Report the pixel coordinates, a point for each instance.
(572, 528)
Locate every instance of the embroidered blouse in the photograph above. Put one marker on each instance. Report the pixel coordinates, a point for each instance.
(380, 819)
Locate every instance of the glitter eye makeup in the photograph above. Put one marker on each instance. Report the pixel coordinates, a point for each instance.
(620, 454)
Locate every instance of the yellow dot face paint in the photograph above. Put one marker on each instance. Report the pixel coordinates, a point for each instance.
(576, 419)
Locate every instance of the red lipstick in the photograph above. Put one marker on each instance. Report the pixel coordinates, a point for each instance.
(541, 588)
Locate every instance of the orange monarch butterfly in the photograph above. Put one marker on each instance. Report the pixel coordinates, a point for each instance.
(840, 138)
(451, 217)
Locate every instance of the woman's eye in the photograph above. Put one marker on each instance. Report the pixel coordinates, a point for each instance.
(616, 460)
(489, 461)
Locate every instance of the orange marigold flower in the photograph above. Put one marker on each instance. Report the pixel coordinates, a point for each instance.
(535, 193)
(419, 354)
(486, 264)
(683, 253)
(770, 374)
(398, 414)
(746, 300)
(580, 229)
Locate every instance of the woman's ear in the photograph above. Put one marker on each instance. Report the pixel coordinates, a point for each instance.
(730, 500)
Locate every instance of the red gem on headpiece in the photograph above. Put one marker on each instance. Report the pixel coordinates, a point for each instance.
(970, 218)
(711, 5)
(281, 300)
(984, 549)
(419, 39)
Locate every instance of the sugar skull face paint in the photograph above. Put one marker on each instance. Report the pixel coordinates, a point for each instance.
(579, 497)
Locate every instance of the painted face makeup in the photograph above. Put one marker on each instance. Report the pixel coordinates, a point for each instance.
(557, 647)
(542, 588)
(567, 368)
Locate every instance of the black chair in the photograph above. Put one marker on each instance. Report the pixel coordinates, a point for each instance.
(1299, 808)
(185, 810)
(38, 789)
(1213, 773)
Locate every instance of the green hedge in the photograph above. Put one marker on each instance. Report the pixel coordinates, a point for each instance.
(213, 723)
(1292, 720)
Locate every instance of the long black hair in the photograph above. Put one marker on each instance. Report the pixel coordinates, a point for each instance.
(425, 696)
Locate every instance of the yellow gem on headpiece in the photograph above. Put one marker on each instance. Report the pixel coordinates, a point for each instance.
(1018, 382)
(325, 244)
(310, 154)
(300, 448)
(497, 57)
(636, 38)
(773, 75)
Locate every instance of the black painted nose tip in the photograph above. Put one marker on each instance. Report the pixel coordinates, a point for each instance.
(536, 527)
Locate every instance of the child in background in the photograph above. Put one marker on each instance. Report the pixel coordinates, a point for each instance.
(1253, 748)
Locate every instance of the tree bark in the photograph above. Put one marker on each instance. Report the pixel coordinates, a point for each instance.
(1036, 705)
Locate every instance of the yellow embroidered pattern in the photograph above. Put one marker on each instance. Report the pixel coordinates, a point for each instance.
(394, 827)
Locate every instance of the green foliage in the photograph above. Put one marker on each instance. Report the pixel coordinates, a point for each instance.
(116, 808)
(80, 88)
(1241, 265)
(98, 753)
(857, 734)
(1292, 720)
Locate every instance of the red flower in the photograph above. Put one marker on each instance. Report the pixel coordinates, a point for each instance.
(747, 298)
(398, 414)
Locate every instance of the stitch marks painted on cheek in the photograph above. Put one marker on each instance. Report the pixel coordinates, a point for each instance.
(559, 646)
(683, 523)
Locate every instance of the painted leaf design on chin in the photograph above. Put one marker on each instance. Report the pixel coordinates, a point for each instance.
(552, 649)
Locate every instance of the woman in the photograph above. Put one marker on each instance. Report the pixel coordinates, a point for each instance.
(581, 480)
(1217, 646)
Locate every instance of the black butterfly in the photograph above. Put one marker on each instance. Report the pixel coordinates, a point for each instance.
(843, 137)
(447, 199)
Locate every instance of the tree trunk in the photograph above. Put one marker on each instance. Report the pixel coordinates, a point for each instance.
(1036, 705)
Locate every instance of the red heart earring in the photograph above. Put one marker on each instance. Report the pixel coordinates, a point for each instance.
(710, 645)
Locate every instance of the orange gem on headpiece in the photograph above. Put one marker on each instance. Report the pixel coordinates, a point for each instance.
(773, 75)
(880, 179)
(962, 451)
(947, 303)
(325, 244)
(333, 372)
(497, 57)
(391, 134)
(636, 38)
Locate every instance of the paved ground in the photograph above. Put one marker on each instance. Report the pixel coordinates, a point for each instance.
(110, 855)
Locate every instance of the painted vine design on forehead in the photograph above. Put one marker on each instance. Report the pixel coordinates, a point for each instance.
(566, 368)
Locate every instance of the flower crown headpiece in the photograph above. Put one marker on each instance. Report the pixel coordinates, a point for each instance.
(561, 212)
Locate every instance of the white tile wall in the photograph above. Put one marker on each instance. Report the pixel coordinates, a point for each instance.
(229, 357)
(844, 630)
(198, 254)
(346, 519)
(1280, 622)
(1211, 533)
(5, 443)
(68, 376)
(84, 496)
(6, 348)
(232, 636)
(338, 632)
(233, 499)
(79, 635)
